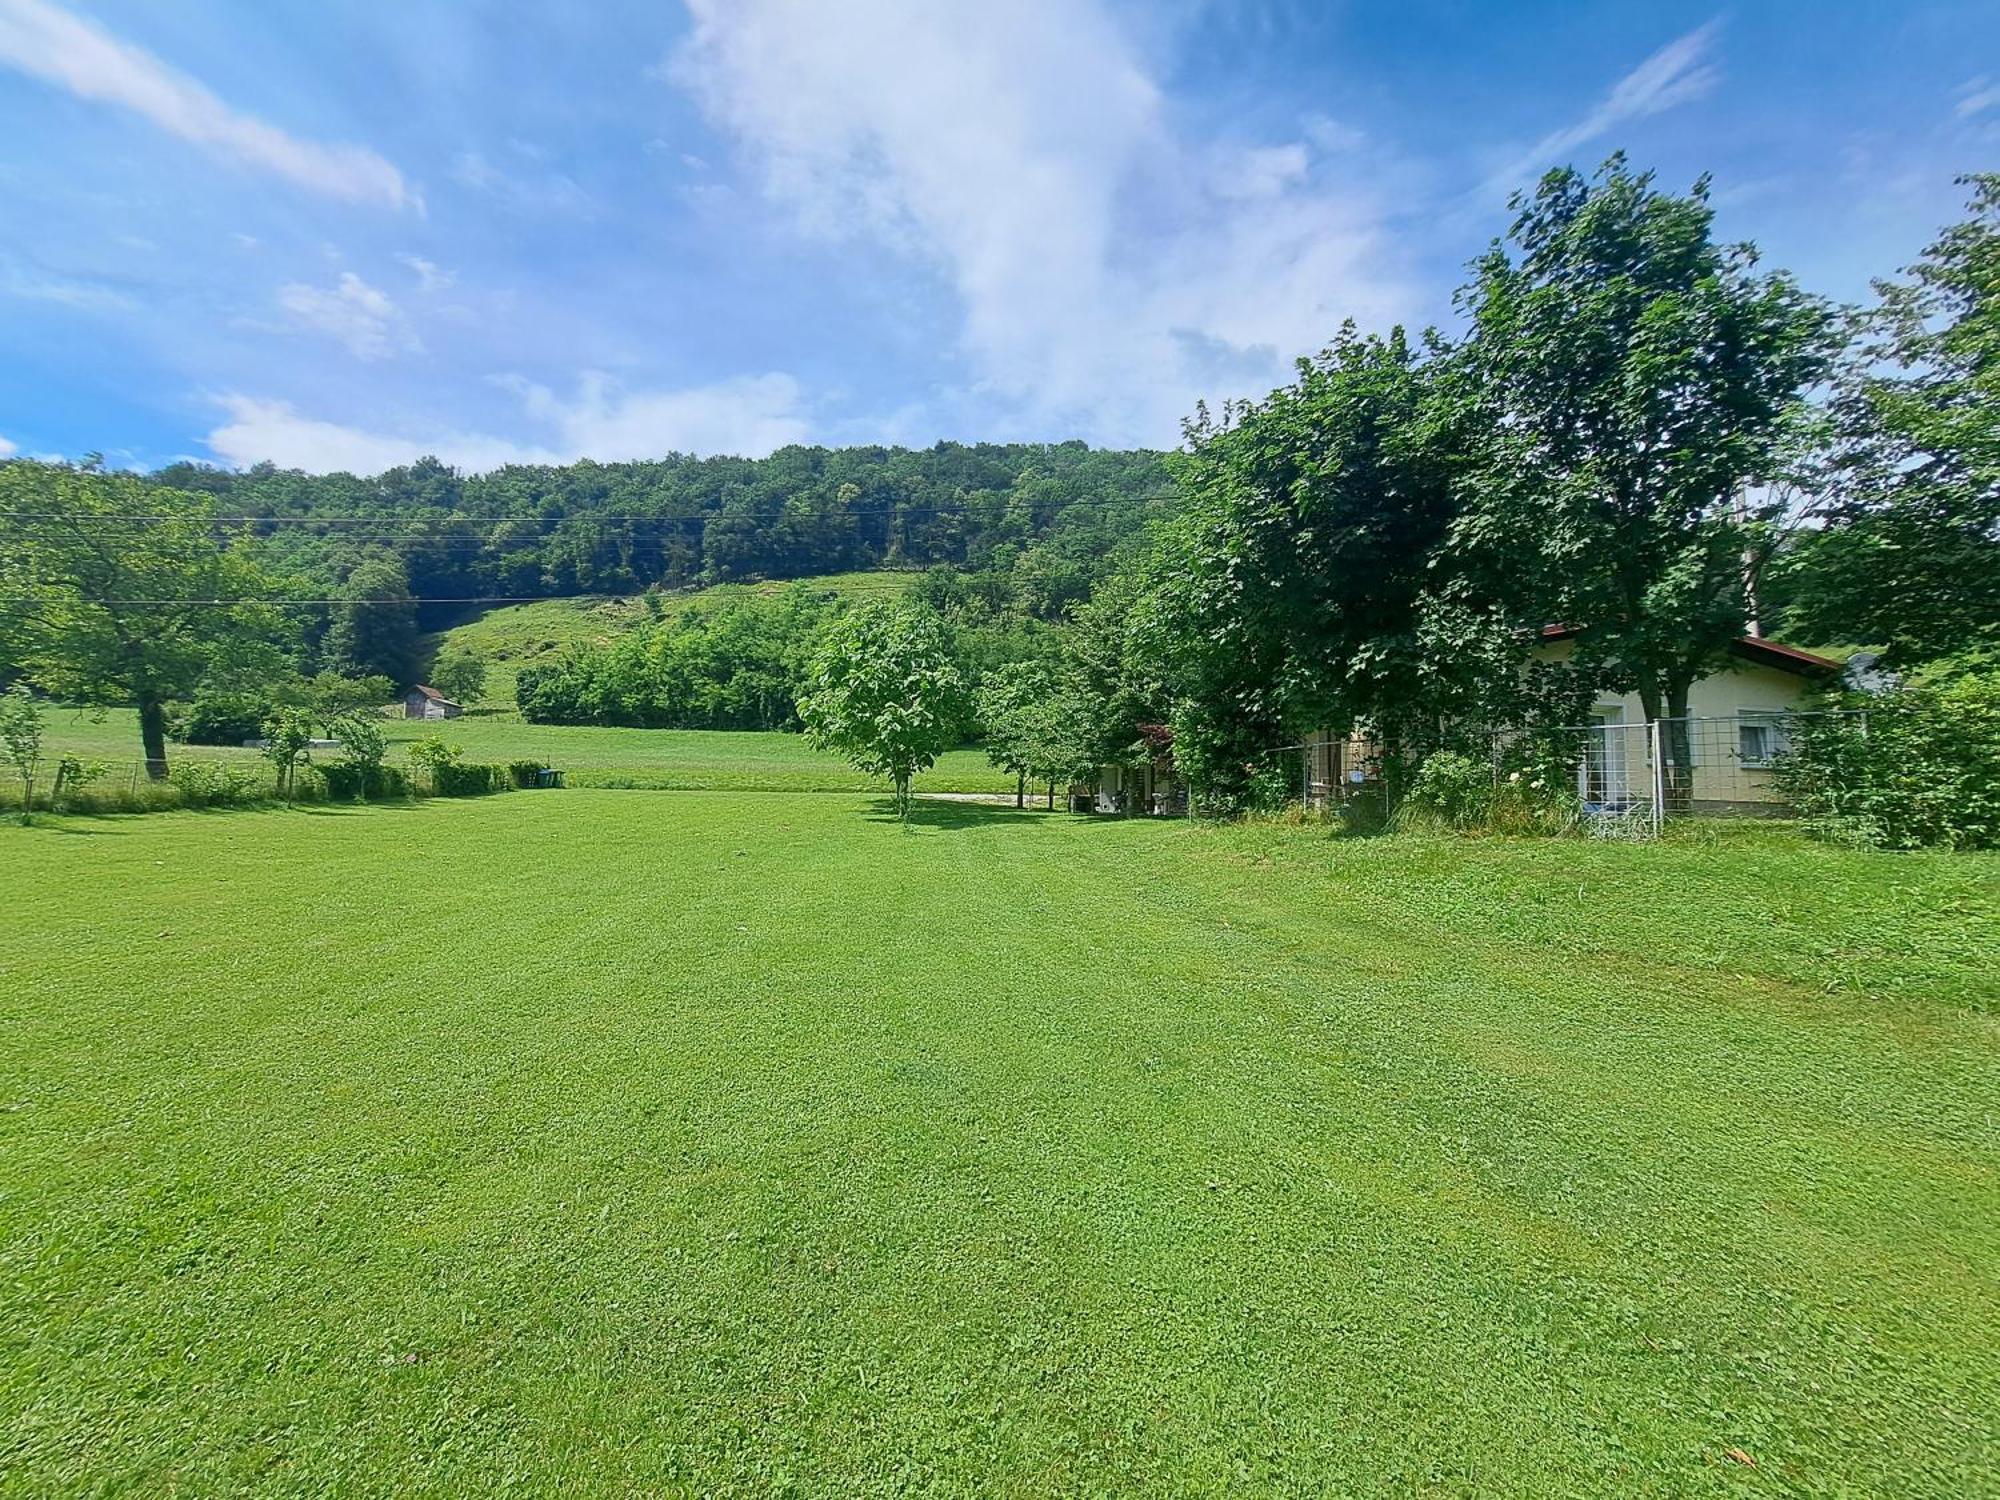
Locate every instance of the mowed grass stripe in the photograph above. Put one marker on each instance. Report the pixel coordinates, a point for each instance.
(720, 1142)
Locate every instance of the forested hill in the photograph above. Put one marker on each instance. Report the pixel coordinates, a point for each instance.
(624, 527)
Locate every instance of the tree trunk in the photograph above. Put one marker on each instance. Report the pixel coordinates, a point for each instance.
(1020, 788)
(1677, 751)
(903, 797)
(1052, 796)
(153, 735)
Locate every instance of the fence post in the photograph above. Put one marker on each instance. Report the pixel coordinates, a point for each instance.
(1659, 773)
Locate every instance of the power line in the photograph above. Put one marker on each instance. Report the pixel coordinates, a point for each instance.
(842, 591)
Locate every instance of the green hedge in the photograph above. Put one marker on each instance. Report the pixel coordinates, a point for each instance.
(458, 779)
(348, 782)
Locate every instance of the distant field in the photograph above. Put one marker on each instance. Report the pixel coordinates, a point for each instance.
(577, 1143)
(671, 759)
(512, 636)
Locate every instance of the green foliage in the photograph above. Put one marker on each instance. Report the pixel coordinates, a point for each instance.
(375, 634)
(207, 783)
(1289, 589)
(1628, 382)
(287, 733)
(885, 692)
(1909, 556)
(524, 773)
(1922, 767)
(333, 696)
(459, 675)
(217, 718)
(125, 613)
(731, 661)
(457, 778)
(1449, 790)
(21, 739)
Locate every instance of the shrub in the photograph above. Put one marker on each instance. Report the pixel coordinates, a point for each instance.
(1450, 790)
(1920, 768)
(525, 773)
(207, 783)
(351, 781)
(467, 779)
(221, 718)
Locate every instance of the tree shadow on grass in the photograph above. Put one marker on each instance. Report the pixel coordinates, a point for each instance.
(939, 814)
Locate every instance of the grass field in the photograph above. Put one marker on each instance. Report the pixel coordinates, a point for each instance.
(678, 759)
(583, 1143)
(513, 636)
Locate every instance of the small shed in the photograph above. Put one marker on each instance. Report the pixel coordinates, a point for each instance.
(425, 702)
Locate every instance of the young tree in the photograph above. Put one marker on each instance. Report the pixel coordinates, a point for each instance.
(459, 674)
(21, 739)
(1013, 702)
(334, 697)
(134, 595)
(1635, 382)
(1910, 555)
(287, 734)
(884, 691)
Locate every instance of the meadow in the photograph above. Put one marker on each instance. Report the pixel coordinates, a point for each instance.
(592, 1143)
(670, 759)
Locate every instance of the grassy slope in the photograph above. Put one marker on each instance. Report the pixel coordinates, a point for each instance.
(515, 635)
(715, 1143)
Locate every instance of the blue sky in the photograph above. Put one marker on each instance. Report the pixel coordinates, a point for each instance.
(339, 236)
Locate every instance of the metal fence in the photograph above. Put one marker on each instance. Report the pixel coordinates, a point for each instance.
(1617, 777)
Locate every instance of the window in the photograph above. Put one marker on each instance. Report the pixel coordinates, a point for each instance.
(1760, 737)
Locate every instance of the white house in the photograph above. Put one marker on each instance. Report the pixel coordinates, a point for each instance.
(1735, 730)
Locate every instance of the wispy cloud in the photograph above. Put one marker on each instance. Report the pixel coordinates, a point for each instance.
(1107, 271)
(50, 43)
(7, 449)
(542, 192)
(362, 318)
(34, 285)
(1975, 96)
(748, 416)
(431, 277)
(1677, 74)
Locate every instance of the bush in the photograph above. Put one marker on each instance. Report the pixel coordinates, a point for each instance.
(220, 719)
(351, 781)
(1450, 790)
(1920, 768)
(526, 773)
(467, 779)
(207, 783)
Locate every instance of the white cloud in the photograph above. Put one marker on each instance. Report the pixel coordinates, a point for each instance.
(7, 449)
(50, 43)
(358, 315)
(1107, 272)
(33, 285)
(551, 192)
(1678, 73)
(431, 277)
(1975, 97)
(750, 416)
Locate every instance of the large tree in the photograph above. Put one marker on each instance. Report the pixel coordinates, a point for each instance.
(1909, 556)
(133, 591)
(1288, 592)
(885, 691)
(1636, 382)
(374, 631)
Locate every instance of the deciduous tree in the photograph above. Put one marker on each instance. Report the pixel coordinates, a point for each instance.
(885, 691)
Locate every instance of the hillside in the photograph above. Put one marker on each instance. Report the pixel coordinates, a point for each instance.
(510, 637)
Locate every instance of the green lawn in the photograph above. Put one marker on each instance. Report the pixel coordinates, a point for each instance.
(680, 759)
(589, 1143)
